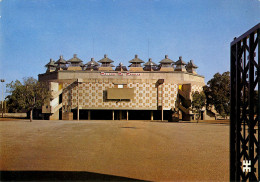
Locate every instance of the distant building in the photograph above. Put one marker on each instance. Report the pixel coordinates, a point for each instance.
(93, 91)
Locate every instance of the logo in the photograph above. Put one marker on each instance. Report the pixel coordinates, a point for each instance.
(246, 165)
(133, 74)
(120, 74)
(107, 74)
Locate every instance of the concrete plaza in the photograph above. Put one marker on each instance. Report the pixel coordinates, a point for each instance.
(135, 149)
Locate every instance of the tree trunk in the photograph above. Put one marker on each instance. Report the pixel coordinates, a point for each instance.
(198, 117)
(31, 116)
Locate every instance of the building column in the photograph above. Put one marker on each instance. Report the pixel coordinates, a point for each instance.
(89, 114)
(157, 96)
(120, 114)
(151, 115)
(113, 115)
(78, 102)
(162, 102)
(127, 115)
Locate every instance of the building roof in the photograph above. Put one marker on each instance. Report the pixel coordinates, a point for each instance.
(106, 60)
(92, 63)
(191, 64)
(75, 59)
(61, 60)
(150, 63)
(166, 60)
(180, 61)
(51, 64)
(136, 60)
(81, 64)
(111, 65)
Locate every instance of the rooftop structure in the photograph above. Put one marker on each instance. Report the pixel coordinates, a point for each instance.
(180, 65)
(61, 64)
(75, 63)
(166, 64)
(106, 64)
(150, 66)
(191, 67)
(51, 66)
(121, 67)
(92, 65)
(136, 64)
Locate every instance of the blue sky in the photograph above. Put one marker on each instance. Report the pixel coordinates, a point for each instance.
(33, 31)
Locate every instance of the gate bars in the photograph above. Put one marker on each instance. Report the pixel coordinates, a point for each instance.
(245, 106)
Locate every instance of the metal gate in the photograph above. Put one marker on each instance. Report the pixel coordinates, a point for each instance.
(245, 107)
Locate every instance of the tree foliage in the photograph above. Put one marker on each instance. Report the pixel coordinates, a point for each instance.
(198, 102)
(217, 93)
(27, 95)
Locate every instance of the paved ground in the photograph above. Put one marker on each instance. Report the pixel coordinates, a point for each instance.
(135, 149)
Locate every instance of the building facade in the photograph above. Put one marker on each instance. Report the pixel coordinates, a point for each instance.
(93, 91)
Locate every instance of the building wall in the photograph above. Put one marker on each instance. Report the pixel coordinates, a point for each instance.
(92, 95)
(92, 89)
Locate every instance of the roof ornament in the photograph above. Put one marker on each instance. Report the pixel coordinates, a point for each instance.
(180, 65)
(92, 65)
(121, 67)
(166, 64)
(191, 67)
(150, 66)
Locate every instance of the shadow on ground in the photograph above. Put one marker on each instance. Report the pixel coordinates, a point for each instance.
(59, 175)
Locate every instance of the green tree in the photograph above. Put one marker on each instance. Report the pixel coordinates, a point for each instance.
(217, 93)
(198, 102)
(27, 95)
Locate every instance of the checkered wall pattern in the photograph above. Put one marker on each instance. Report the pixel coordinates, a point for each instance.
(93, 96)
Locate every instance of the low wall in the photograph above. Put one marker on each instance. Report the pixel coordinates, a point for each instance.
(14, 115)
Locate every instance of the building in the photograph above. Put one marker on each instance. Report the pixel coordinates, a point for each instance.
(93, 91)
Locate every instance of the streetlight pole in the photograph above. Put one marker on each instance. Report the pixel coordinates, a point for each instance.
(2, 80)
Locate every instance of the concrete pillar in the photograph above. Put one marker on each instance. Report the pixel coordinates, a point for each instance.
(162, 102)
(113, 115)
(78, 102)
(120, 114)
(78, 114)
(151, 115)
(157, 96)
(89, 114)
(127, 115)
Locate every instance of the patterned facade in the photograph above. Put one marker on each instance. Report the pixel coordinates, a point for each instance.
(87, 89)
(92, 95)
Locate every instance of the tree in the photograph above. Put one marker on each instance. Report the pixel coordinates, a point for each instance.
(198, 102)
(217, 93)
(29, 95)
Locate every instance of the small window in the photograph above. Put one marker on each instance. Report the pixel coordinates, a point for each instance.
(120, 86)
